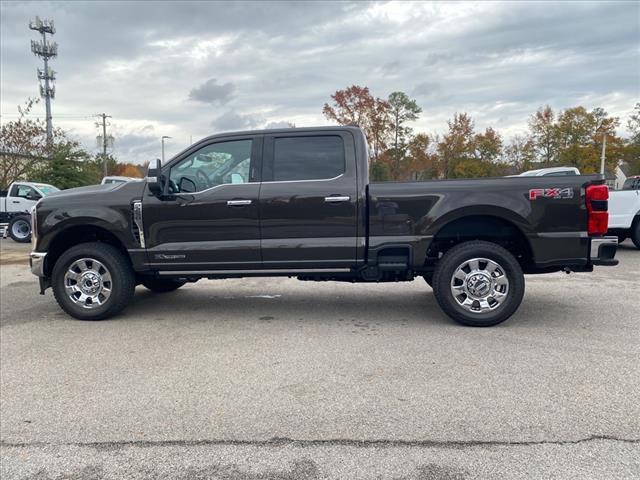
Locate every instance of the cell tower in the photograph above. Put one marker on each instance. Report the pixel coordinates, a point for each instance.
(46, 51)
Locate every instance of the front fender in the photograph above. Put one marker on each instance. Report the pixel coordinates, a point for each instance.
(110, 219)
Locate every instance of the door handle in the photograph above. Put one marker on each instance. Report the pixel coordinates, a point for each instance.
(337, 198)
(236, 203)
(15, 201)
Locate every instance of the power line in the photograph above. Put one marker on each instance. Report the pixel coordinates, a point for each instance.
(45, 50)
(37, 115)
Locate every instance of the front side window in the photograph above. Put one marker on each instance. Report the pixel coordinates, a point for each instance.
(24, 191)
(212, 165)
(308, 158)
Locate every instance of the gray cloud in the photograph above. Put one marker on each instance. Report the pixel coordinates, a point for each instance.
(211, 92)
(234, 121)
(251, 64)
(427, 89)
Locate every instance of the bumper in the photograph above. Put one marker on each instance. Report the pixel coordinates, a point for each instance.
(603, 251)
(36, 260)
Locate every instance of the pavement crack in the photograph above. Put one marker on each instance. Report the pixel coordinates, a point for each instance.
(309, 443)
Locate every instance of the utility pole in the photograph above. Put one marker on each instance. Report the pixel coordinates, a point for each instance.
(45, 50)
(104, 140)
(604, 149)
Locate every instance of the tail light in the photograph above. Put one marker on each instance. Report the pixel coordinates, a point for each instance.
(597, 208)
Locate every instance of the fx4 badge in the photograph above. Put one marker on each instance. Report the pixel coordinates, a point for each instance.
(164, 256)
(536, 193)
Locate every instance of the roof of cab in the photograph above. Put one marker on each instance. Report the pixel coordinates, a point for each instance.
(353, 128)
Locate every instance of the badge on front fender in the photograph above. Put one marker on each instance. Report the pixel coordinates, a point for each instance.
(536, 193)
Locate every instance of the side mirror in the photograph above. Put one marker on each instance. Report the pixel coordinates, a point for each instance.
(187, 185)
(154, 181)
(33, 196)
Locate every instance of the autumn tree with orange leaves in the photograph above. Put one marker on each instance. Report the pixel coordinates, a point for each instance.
(356, 106)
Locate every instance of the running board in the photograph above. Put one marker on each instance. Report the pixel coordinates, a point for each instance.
(283, 271)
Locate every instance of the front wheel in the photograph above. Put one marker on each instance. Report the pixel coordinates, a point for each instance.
(92, 281)
(478, 284)
(20, 229)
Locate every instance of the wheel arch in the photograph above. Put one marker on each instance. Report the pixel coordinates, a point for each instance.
(75, 235)
(491, 225)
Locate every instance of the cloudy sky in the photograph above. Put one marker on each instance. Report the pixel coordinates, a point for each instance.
(190, 69)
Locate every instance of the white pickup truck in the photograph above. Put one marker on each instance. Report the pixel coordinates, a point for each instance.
(15, 208)
(624, 211)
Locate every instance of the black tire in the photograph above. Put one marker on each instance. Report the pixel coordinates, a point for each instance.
(635, 233)
(457, 256)
(429, 279)
(162, 285)
(122, 280)
(20, 228)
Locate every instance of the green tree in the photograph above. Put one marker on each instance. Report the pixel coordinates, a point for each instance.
(631, 154)
(520, 153)
(580, 135)
(23, 146)
(488, 146)
(544, 135)
(402, 110)
(379, 171)
(457, 144)
(633, 124)
(68, 167)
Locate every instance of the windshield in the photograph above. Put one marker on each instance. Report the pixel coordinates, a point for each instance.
(47, 189)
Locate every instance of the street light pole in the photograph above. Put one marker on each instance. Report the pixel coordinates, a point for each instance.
(604, 149)
(163, 137)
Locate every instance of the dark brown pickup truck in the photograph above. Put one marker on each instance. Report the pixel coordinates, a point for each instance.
(298, 202)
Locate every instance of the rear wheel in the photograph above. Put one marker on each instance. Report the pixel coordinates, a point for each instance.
(162, 285)
(478, 283)
(635, 233)
(20, 229)
(92, 281)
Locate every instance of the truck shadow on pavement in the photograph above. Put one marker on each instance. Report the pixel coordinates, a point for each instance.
(197, 305)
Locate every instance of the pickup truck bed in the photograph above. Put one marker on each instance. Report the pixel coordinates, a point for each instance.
(548, 232)
(298, 202)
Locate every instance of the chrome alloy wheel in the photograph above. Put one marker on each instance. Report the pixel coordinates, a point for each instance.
(88, 283)
(20, 229)
(479, 285)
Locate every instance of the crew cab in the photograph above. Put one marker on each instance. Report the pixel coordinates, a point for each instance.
(15, 205)
(298, 203)
(624, 211)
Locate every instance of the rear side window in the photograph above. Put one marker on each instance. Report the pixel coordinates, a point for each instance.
(308, 158)
(631, 184)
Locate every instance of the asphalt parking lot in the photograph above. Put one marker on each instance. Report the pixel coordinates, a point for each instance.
(275, 378)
